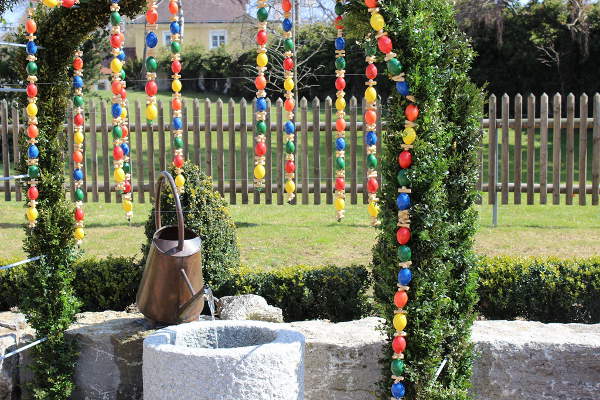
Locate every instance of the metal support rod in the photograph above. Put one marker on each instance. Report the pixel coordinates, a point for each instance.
(7, 90)
(17, 351)
(495, 205)
(11, 177)
(440, 368)
(9, 266)
(16, 44)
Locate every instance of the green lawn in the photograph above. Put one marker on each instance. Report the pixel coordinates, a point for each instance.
(272, 236)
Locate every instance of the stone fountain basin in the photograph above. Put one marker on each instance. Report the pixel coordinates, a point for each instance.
(254, 361)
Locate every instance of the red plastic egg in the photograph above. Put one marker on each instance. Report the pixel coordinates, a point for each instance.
(79, 214)
(77, 156)
(178, 161)
(399, 344)
(286, 5)
(371, 71)
(411, 112)
(68, 3)
(289, 105)
(340, 125)
(33, 193)
(372, 185)
(124, 131)
(260, 149)
(176, 66)
(340, 83)
(32, 90)
(151, 88)
(261, 37)
(126, 187)
(338, 22)
(290, 167)
(78, 119)
(370, 117)
(173, 7)
(32, 131)
(405, 159)
(403, 235)
(288, 64)
(340, 184)
(260, 82)
(77, 62)
(176, 104)
(116, 87)
(400, 299)
(122, 37)
(30, 26)
(117, 153)
(123, 93)
(151, 17)
(385, 44)
(115, 40)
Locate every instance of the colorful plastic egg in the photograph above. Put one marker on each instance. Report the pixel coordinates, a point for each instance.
(384, 43)
(32, 214)
(411, 112)
(397, 367)
(340, 184)
(290, 186)
(403, 201)
(119, 175)
(262, 60)
(398, 390)
(290, 167)
(370, 94)
(400, 321)
(373, 209)
(405, 159)
(398, 344)
(259, 171)
(179, 181)
(409, 135)
(377, 21)
(404, 253)
(339, 204)
(400, 298)
(404, 276)
(372, 185)
(403, 235)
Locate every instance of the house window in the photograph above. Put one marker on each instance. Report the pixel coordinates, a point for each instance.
(167, 38)
(218, 39)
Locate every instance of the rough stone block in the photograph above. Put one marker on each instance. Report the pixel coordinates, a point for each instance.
(248, 307)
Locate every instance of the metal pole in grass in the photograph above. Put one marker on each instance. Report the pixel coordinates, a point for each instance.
(495, 183)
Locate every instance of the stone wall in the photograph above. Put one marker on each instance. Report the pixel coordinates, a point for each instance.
(517, 359)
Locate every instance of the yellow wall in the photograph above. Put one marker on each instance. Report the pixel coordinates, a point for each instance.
(194, 34)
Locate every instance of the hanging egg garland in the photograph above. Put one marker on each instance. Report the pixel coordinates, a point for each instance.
(289, 105)
(120, 129)
(176, 103)
(262, 14)
(403, 200)
(340, 106)
(78, 138)
(370, 120)
(33, 152)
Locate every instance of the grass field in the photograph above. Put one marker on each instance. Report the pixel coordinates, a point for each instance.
(272, 236)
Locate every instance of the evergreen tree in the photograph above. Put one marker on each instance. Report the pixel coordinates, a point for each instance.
(440, 310)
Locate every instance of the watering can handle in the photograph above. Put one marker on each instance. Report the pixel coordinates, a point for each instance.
(180, 224)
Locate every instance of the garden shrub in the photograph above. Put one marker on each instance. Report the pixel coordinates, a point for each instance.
(205, 213)
(308, 292)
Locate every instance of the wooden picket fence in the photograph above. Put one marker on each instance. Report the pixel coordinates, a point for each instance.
(528, 142)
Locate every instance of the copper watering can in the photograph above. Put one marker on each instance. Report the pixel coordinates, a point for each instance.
(171, 290)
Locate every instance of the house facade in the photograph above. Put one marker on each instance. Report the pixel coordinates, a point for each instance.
(207, 23)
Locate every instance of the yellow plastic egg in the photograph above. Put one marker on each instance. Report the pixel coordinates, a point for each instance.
(127, 205)
(370, 94)
(176, 85)
(78, 137)
(262, 60)
(400, 321)
(119, 175)
(32, 109)
(123, 113)
(409, 135)
(151, 112)
(259, 172)
(116, 65)
(373, 209)
(339, 204)
(50, 3)
(377, 21)
(32, 214)
(288, 84)
(340, 104)
(79, 233)
(179, 180)
(290, 186)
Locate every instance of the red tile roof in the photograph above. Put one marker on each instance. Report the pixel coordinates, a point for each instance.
(202, 11)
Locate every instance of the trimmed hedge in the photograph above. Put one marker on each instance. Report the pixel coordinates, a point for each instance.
(540, 289)
(305, 292)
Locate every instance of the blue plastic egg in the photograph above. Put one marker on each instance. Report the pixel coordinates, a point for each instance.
(77, 82)
(402, 88)
(33, 151)
(151, 39)
(31, 47)
(287, 24)
(121, 56)
(340, 43)
(116, 110)
(398, 390)
(177, 123)
(371, 138)
(290, 127)
(77, 174)
(403, 201)
(125, 148)
(175, 28)
(261, 104)
(404, 276)
(340, 144)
